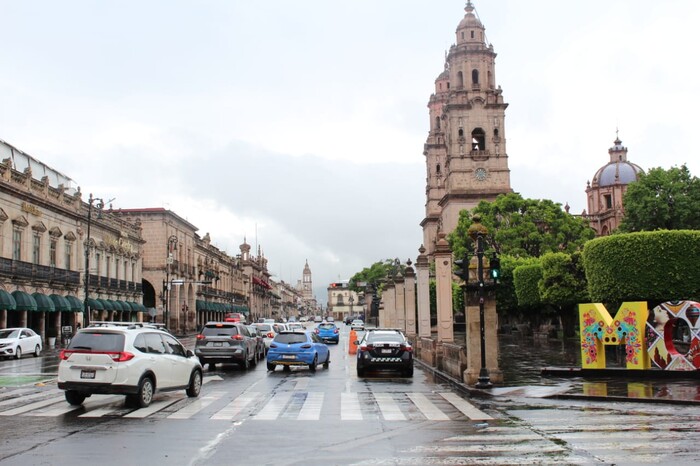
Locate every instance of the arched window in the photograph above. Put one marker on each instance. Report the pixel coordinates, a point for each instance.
(472, 34)
(460, 79)
(475, 76)
(478, 140)
(438, 169)
(461, 132)
(495, 133)
(437, 123)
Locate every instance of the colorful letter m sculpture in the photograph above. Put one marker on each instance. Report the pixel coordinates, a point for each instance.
(669, 336)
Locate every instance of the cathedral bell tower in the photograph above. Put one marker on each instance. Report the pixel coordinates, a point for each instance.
(466, 158)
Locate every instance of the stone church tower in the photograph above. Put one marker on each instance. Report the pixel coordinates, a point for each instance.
(465, 152)
(307, 289)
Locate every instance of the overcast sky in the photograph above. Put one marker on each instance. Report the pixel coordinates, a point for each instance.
(300, 124)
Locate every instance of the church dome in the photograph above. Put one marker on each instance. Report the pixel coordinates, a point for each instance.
(618, 170)
(470, 20)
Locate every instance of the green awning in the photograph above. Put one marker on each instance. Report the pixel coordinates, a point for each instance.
(241, 309)
(107, 304)
(117, 305)
(125, 306)
(76, 305)
(137, 307)
(96, 304)
(60, 303)
(200, 305)
(7, 302)
(43, 303)
(24, 301)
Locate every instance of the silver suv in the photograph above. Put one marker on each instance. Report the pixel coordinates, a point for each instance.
(130, 359)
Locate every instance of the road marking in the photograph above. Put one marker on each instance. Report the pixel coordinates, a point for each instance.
(429, 410)
(274, 407)
(32, 406)
(231, 410)
(15, 401)
(196, 406)
(311, 411)
(390, 410)
(467, 408)
(350, 409)
(302, 383)
(154, 407)
(100, 400)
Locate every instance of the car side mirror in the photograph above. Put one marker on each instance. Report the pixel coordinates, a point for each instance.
(189, 353)
(357, 342)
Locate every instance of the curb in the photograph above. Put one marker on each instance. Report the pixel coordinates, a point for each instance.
(454, 383)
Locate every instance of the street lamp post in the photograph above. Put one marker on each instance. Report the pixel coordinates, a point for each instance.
(484, 380)
(86, 309)
(171, 246)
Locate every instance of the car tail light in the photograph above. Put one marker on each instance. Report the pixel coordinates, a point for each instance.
(306, 346)
(270, 335)
(363, 348)
(200, 336)
(408, 348)
(64, 355)
(237, 337)
(121, 357)
(369, 347)
(335, 330)
(317, 331)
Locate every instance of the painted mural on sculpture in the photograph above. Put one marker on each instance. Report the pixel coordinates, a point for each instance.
(668, 336)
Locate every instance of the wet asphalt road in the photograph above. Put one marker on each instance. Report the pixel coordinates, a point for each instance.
(331, 417)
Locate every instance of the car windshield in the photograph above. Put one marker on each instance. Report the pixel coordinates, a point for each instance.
(98, 341)
(326, 326)
(264, 327)
(385, 337)
(10, 333)
(219, 330)
(290, 338)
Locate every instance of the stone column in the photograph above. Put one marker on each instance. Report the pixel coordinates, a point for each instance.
(400, 304)
(443, 288)
(410, 285)
(471, 375)
(423, 289)
(390, 305)
(382, 319)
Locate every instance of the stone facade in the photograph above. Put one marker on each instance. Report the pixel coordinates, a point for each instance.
(466, 157)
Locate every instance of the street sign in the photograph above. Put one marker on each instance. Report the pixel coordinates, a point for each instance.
(204, 282)
(177, 282)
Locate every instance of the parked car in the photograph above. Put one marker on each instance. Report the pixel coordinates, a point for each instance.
(318, 319)
(268, 333)
(328, 332)
(357, 324)
(226, 342)
(384, 349)
(297, 348)
(260, 348)
(14, 342)
(126, 359)
(235, 317)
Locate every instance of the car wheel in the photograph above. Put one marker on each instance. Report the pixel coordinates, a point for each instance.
(408, 372)
(74, 398)
(328, 361)
(360, 371)
(246, 362)
(18, 352)
(37, 351)
(286, 368)
(312, 366)
(195, 384)
(254, 362)
(145, 394)
(271, 367)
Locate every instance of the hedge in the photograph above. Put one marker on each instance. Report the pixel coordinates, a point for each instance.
(645, 266)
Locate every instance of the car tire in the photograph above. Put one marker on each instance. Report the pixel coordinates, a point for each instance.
(271, 367)
(145, 394)
(408, 372)
(312, 366)
(286, 368)
(195, 384)
(254, 362)
(360, 371)
(74, 398)
(18, 352)
(328, 361)
(246, 362)
(37, 351)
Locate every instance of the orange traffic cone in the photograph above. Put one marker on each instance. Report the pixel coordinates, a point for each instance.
(352, 346)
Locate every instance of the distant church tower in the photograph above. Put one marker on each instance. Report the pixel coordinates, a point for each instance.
(466, 158)
(605, 192)
(307, 288)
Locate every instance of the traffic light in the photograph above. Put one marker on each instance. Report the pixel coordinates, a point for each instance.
(495, 266)
(463, 268)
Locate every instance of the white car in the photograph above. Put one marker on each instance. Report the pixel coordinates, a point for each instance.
(14, 342)
(135, 360)
(268, 333)
(357, 324)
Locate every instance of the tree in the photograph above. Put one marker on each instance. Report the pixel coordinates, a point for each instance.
(563, 286)
(662, 200)
(376, 274)
(522, 227)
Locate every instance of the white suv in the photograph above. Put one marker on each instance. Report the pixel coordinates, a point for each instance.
(130, 359)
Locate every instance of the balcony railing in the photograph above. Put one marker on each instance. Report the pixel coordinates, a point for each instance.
(40, 273)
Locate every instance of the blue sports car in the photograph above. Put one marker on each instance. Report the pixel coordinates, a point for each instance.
(328, 332)
(297, 348)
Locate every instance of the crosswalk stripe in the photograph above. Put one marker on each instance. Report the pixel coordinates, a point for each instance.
(311, 411)
(429, 410)
(390, 410)
(274, 407)
(196, 406)
(14, 401)
(236, 406)
(32, 406)
(350, 409)
(99, 400)
(154, 407)
(465, 407)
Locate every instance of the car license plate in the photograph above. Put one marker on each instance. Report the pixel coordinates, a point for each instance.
(87, 374)
(218, 343)
(288, 356)
(387, 351)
